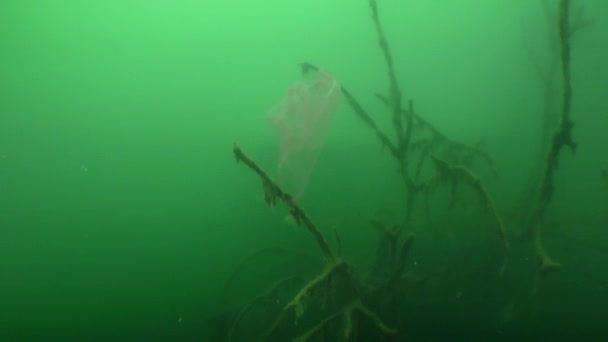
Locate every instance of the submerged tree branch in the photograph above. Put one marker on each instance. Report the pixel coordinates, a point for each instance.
(272, 193)
(561, 138)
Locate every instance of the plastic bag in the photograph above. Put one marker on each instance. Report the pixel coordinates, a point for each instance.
(302, 121)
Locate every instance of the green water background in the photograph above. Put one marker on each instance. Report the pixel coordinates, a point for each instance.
(122, 210)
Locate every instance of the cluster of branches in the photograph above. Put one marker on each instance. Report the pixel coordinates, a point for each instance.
(338, 279)
(418, 141)
(344, 298)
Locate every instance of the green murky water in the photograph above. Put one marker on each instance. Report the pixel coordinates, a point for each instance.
(124, 216)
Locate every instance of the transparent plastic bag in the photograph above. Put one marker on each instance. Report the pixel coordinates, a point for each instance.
(302, 121)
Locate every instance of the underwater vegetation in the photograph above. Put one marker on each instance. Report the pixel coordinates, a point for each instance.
(387, 303)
